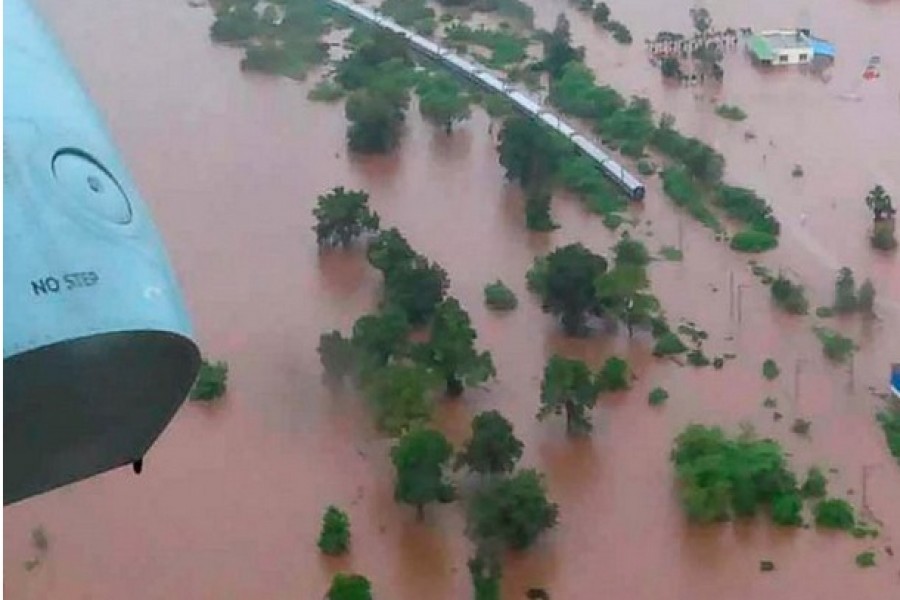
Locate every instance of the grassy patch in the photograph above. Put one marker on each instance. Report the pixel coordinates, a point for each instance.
(865, 559)
(671, 253)
(731, 112)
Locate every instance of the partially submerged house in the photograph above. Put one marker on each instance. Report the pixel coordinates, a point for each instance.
(781, 47)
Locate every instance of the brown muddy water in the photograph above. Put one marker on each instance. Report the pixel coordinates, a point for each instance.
(230, 500)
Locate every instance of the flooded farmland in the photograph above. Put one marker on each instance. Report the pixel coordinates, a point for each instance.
(230, 500)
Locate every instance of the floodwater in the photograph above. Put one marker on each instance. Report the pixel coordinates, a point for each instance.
(231, 497)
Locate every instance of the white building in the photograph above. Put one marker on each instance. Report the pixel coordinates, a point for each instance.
(781, 47)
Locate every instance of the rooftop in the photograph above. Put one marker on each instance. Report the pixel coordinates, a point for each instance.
(765, 44)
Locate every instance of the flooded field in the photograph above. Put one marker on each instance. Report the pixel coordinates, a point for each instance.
(230, 500)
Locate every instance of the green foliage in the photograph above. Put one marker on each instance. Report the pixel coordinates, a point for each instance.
(212, 381)
(824, 312)
(614, 375)
(619, 31)
(442, 101)
(529, 152)
(879, 202)
(506, 47)
(746, 206)
(670, 67)
(787, 509)
(678, 185)
(390, 251)
(416, 288)
(816, 484)
(696, 358)
(671, 253)
(883, 236)
(451, 352)
(865, 298)
(486, 576)
(420, 459)
(336, 354)
(497, 106)
(646, 167)
(601, 13)
(558, 49)
(348, 586)
(770, 369)
(415, 14)
(569, 387)
(730, 112)
(657, 396)
(890, 424)
(630, 252)
(668, 344)
(720, 478)
(497, 296)
(789, 296)
(865, 559)
(753, 241)
(375, 122)
(401, 396)
(834, 513)
(326, 91)
(335, 536)
(702, 162)
(235, 24)
(493, 447)
(537, 210)
(512, 510)
(634, 123)
(378, 338)
(580, 175)
(834, 345)
(567, 287)
(575, 92)
(342, 216)
(845, 292)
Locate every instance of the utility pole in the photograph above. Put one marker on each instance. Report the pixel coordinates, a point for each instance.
(681, 235)
(731, 295)
(797, 364)
(740, 303)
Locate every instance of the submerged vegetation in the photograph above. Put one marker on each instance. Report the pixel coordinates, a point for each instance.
(730, 112)
(497, 296)
(212, 381)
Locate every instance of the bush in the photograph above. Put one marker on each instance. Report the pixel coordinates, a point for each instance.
(499, 297)
(883, 235)
(865, 559)
(619, 32)
(335, 536)
(657, 396)
(770, 369)
(845, 300)
(730, 112)
(668, 344)
(815, 485)
(824, 312)
(349, 586)
(211, 381)
(678, 185)
(670, 67)
(789, 296)
(671, 253)
(834, 513)
(696, 358)
(786, 509)
(326, 91)
(890, 424)
(646, 167)
(744, 205)
(601, 13)
(614, 375)
(753, 241)
(834, 345)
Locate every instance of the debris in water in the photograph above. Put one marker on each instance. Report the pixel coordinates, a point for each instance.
(766, 566)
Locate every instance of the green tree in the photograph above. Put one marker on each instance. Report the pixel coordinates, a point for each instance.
(879, 202)
(442, 101)
(451, 350)
(349, 586)
(390, 251)
(787, 509)
(834, 513)
(337, 355)
(614, 375)
(530, 152)
(417, 289)
(512, 511)
(569, 387)
(558, 50)
(420, 458)
(670, 67)
(601, 13)
(577, 93)
(212, 381)
(498, 296)
(629, 252)
(486, 573)
(815, 485)
(401, 396)
(537, 210)
(235, 24)
(845, 292)
(380, 337)
(789, 296)
(834, 345)
(493, 447)
(567, 286)
(343, 215)
(865, 298)
(883, 237)
(375, 122)
(335, 536)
